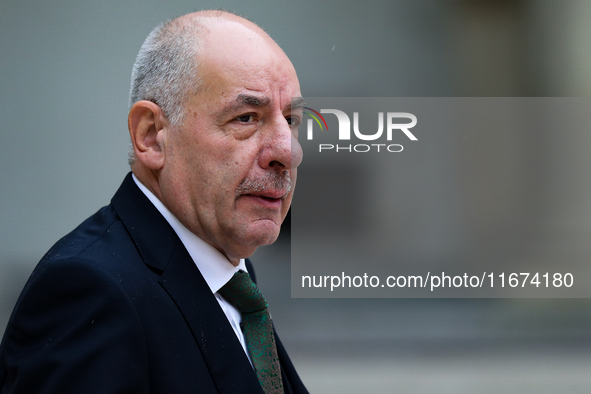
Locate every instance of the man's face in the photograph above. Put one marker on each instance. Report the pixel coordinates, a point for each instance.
(230, 167)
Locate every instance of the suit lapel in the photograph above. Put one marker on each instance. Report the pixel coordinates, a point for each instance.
(224, 355)
(162, 250)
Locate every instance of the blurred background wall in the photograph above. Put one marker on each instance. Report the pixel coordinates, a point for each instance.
(64, 79)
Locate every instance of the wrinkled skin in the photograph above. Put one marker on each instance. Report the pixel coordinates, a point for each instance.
(227, 173)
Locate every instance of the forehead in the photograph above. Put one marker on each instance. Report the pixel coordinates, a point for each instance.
(235, 59)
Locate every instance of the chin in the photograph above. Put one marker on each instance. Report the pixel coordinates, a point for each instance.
(246, 246)
(262, 232)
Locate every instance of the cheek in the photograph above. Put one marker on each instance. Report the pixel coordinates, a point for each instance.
(218, 171)
(223, 178)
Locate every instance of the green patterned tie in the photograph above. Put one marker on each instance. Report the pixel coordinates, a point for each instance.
(244, 294)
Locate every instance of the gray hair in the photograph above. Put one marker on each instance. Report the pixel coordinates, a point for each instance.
(165, 70)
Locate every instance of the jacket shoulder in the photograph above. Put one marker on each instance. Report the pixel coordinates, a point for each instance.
(74, 329)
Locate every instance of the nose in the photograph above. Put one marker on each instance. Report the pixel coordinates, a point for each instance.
(281, 149)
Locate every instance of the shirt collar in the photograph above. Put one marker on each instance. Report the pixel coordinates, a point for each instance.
(216, 269)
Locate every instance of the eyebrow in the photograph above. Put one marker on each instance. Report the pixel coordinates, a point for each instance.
(247, 100)
(252, 101)
(244, 101)
(297, 102)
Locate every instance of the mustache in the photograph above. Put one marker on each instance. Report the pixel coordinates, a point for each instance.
(271, 181)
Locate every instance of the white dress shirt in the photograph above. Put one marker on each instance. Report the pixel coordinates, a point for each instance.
(215, 268)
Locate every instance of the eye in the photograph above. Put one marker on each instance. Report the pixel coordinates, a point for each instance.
(293, 121)
(246, 118)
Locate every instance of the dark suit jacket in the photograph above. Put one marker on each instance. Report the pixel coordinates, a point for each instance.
(118, 306)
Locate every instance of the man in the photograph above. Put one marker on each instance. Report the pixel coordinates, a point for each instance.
(130, 301)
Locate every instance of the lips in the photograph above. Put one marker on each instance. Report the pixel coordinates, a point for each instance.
(265, 201)
(271, 187)
(270, 194)
(267, 198)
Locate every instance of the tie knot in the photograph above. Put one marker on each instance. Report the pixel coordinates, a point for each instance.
(243, 293)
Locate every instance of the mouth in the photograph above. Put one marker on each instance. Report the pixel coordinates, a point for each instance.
(269, 200)
(272, 189)
(270, 195)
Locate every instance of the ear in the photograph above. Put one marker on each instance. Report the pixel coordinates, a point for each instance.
(147, 129)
